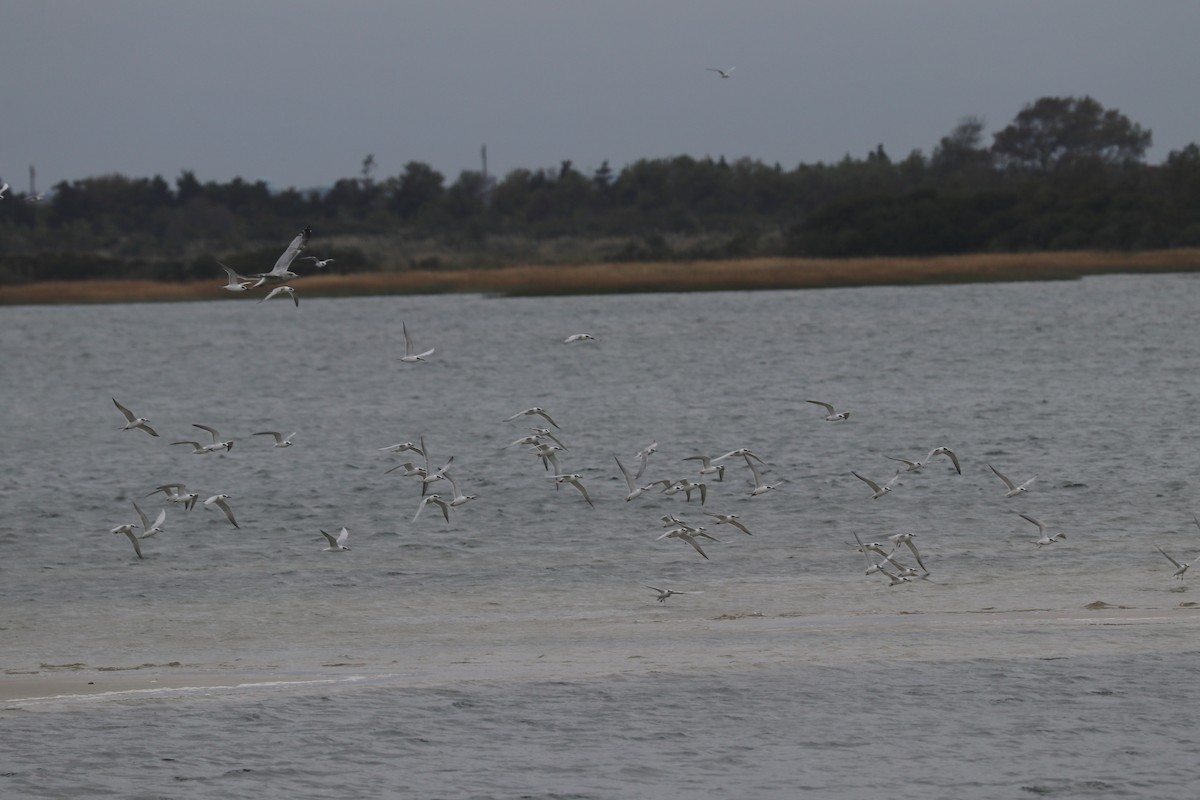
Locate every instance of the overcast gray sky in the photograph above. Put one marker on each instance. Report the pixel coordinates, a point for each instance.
(298, 92)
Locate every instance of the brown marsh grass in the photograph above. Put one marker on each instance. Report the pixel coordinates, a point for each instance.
(617, 278)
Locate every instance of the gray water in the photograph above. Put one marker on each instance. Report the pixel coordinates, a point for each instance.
(516, 651)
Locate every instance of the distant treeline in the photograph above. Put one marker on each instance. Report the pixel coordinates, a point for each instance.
(1066, 174)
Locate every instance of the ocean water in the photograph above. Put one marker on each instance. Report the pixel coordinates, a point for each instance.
(516, 651)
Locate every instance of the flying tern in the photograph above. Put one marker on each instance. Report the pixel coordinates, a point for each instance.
(175, 494)
(707, 467)
(730, 519)
(724, 73)
(877, 490)
(237, 283)
(634, 489)
(663, 594)
(127, 529)
(336, 544)
(1044, 539)
(915, 466)
(403, 446)
(409, 356)
(1013, 490)
(535, 410)
(282, 291)
(577, 482)
(221, 501)
(831, 414)
(150, 530)
(906, 539)
(281, 272)
(280, 439)
(437, 501)
(132, 422)
(1180, 566)
(643, 457)
(760, 486)
(579, 337)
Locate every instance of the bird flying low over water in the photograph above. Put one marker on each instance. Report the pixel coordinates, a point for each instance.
(132, 422)
(1045, 538)
(336, 544)
(577, 482)
(915, 466)
(280, 439)
(282, 291)
(148, 529)
(409, 356)
(877, 490)
(730, 519)
(437, 501)
(1013, 489)
(831, 414)
(1180, 566)
(127, 529)
(663, 594)
(579, 337)
(175, 494)
(221, 501)
(538, 410)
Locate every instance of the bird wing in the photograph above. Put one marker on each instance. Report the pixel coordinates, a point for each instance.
(148, 429)
(293, 250)
(278, 436)
(946, 451)
(1040, 526)
(916, 555)
(332, 541)
(137, 548)
(213, 431)
(547, 416)
(687, 538)
(440, 503)
(874, 486)
(737, 524)
(826, 406)
(228, 511)
(142, 515)
(628, 477)
(582, 491)
(408, 348)
(129, 417)
(1002, 477)
(1173, 561)
(902, 460)
(343, 535)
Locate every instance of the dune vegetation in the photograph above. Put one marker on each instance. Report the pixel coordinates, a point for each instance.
(628, 277)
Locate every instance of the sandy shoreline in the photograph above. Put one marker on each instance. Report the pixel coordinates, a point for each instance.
(618, 278)
(582, 650)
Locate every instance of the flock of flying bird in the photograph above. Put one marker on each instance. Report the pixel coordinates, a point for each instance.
(889, 560)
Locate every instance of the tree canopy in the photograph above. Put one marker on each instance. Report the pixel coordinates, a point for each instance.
(1066, 173)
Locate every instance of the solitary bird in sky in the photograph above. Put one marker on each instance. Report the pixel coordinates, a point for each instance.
(724, 73)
